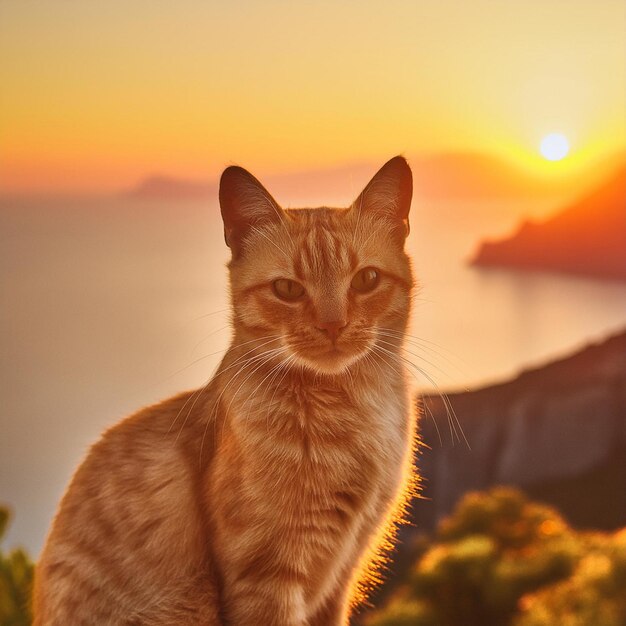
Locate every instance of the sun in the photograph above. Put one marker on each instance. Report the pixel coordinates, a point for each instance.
(554, 146)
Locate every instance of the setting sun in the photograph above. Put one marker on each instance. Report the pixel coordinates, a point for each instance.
(554, 147)
(105, 108)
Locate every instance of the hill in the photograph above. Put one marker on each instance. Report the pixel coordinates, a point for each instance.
(558, 432)
(587, 238)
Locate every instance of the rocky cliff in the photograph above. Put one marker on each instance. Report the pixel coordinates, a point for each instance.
(587, 238)
(558, 432)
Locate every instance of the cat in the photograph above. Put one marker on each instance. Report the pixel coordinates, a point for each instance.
(271, 495)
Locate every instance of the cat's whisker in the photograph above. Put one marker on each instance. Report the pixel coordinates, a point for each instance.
(212, 377)
(349, 373)
(200, 317)
(452, 416)
(277, 352)
(202, 390)
(287, 364)
(206, 356)
(212, 414)
(262, 358)
(417, 356)
(376, 349)
(281, 366)
(415, 342)
(258, 364)
(421, 340)
(432, 417)
(369, 358)
(382, 356)
(209, 335)
(204, 387)
(383, 351)
(244, 363)
(195, 361)
(451, 413)
(272, 371)
(429, 349)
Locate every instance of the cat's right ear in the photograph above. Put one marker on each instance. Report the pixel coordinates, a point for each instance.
(245, 205)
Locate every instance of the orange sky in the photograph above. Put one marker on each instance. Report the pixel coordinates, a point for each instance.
(95, 95)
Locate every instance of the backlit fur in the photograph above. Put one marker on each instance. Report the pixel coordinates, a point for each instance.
(270, 496)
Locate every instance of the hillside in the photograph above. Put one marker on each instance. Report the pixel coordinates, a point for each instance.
(558, 432)
(587, 238)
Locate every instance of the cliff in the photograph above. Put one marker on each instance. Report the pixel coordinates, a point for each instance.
(588, 238)
(558, 432)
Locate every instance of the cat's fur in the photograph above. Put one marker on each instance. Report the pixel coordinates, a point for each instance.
(266, 497)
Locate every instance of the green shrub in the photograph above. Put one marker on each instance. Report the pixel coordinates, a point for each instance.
(502, 560)
(16, 578)
(595, 594)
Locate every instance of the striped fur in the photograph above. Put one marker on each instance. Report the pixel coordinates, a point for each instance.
(271, 495)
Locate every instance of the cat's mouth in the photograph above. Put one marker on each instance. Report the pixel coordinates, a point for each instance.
(334, 351)
(331, 359)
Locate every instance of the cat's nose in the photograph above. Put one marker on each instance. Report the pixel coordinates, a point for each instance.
(332, 328)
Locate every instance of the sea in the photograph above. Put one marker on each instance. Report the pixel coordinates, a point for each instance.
(110, 303)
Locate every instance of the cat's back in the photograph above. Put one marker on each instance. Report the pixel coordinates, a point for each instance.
(131, 528)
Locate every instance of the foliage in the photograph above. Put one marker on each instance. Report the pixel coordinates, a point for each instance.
(16, 577)
(595, 594)
(501, 560)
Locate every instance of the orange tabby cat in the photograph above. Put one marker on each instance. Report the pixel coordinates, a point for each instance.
(266, 497)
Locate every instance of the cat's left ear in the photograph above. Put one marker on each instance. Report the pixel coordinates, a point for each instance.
(389, 194)
(245, 205)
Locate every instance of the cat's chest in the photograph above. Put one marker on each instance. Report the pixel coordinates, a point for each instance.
(328, 438)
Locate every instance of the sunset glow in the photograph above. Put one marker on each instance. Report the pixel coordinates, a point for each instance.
(96, 98)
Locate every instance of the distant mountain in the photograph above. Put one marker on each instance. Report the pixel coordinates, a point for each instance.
(171, 188)
(439, 176)
(558, 432)
(587, 238)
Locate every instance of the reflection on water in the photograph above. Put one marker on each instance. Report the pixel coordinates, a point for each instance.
(110, 306)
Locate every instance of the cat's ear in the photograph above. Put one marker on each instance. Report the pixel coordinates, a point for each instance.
(389, 194)
(245, 205)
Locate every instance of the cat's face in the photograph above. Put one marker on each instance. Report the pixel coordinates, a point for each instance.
(324, 282)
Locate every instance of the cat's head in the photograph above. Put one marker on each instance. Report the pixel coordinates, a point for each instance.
(325, 283)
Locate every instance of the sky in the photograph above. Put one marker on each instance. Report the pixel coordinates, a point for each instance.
(96, 95)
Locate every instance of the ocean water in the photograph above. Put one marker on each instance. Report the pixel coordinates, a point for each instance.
(109, 304)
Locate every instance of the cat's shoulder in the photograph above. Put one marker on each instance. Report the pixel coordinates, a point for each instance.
(146, 457)
(159, 418)
(157, 433)
(136, 488)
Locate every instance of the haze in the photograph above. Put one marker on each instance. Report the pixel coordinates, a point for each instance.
(96, 95)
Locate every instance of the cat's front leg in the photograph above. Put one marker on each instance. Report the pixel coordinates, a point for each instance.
(335, 611)
(272, 602)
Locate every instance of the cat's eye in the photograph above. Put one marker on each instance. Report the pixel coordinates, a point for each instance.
(287, 289)
(365, 280)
